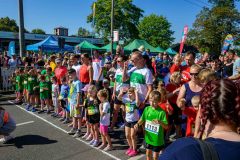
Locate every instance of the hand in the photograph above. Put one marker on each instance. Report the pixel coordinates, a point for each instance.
(136, 127)
(125, 65)
(77, 106)
(113, 96)
(176, 91)
(156, 121)
(182, 104)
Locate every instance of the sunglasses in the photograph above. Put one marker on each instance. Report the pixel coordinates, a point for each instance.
(194, 74)
(119, 61)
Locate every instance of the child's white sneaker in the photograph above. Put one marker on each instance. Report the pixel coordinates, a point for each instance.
(5, 139)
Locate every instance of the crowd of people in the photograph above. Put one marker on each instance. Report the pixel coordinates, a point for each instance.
(160, 97)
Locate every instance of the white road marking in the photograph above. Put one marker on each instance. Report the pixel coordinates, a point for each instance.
(106, 153)
(20, 124)
(137, 157)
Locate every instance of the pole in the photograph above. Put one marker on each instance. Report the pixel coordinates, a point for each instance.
(112, 25)
(21, 28)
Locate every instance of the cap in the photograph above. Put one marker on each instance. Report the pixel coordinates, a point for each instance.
(85, 88)
(58, 60)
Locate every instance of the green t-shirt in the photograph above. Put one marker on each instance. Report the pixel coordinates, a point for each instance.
(154, 134)
(19, 83)
(31, 83)
(44, 93)
(48, 80)
(25, 81)
(44, 71)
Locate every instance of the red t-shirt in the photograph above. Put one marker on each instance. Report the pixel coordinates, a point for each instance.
(60, 72)
(163, 106)
(170, 88)
(185, 71)
(175, 68)
(191, 114)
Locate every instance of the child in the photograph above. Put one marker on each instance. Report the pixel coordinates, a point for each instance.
(155, 121)
(31, 85)
(191, 113)
(106, 84)
(104, 108)
(25, 80)
(131, 102)
(92, 114)
(7, 125)
(176, 67)
(63, 100)
(19, 86)
(44, 94)
(55, 94)
(74, 102)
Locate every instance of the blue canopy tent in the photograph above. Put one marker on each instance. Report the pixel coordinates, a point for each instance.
(50, 44)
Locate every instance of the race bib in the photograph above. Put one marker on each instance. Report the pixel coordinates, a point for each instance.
(29, 79)
(92, 110)
(60, 97)
(151, 127)
(130, 108)
(25, 82)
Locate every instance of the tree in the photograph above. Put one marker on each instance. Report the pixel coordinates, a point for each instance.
(126, 18)
(38, 31)
(7, 24)
(83, 32)
(213, 24)
(156, 30)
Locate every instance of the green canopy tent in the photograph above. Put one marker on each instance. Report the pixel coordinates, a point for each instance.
(170, 51)
(108, 47)
(85, 45)
(137, 43)
(160, 49)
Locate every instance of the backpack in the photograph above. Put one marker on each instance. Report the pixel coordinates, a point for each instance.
(208, 150)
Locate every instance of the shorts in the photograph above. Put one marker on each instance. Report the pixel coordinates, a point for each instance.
(55, 101)
(75, 112)
(93, 119)
(63, 103)
(30, 92)
(154, 148)
(130, 124)
(103, 129)
(36, 92)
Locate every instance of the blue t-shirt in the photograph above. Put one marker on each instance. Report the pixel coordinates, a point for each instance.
(74, 90)
(236, 65)
(64, 91)
(189, 149)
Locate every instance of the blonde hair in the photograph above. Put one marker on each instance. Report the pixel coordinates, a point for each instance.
(195, 101)
(131, 89)
(206, 75)
(155, 95)
(103, 93)
(196, 66)
(163, 93)
(92, 88)
(174, 76)
(177, 57)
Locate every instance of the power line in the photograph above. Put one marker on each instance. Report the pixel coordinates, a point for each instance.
(201, 1)
(193, 3)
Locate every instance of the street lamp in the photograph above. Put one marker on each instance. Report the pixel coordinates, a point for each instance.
(21, 28)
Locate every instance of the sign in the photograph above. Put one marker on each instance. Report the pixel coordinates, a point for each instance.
(184, 37)
(115, 36)
(11, 48)
(228, 42)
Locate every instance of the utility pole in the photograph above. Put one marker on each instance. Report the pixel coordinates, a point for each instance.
(21, 28)
(112, 25)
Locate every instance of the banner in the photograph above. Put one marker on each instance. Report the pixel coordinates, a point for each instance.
(228, 42)
(184, 37)
(11, 48)
(94, 13)
(115, 36)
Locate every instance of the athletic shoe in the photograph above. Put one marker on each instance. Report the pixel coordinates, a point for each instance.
(72, 131)
(41, 111)
(128, 151)
(85, 136)
(66, 121)
(34, 109)
(89, 138)
(95, 143)
(102, 146)
(62, 119)
(77, 134)
(54, 114)
(91, 142)
(28, 107)
(48, 112)
(5, 139)
(108, 148)
(133, 153)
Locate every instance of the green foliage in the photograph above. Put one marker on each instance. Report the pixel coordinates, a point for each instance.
(83, 32)
(38, 31)
(126, 18)
(212, 26)
(156, 31)
(7, 24)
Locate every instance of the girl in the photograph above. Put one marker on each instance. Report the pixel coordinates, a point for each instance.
(104, 108)
(93, 115)
(155, 121)
(63, 99)
(55, 94)
(25, 80)
(131, 102)
(31, 85)
(44, 94)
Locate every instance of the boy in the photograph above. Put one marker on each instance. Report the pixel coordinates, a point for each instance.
(155, 122)
(75, 109)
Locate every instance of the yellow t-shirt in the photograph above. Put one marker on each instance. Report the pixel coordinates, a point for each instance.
(53, 66)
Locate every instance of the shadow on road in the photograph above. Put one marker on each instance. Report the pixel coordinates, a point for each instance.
(21, 141)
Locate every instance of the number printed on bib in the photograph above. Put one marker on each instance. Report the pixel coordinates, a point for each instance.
(151, 127)
(130, 108)
(92, 110)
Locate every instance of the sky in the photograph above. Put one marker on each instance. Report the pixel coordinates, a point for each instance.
(72, 14)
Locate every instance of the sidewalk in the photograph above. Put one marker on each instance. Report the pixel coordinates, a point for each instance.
(7, 95)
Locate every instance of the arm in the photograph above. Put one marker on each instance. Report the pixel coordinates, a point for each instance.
(173, 93)
(120, 95)
(181, 96)
(165, 126)
(197, 124)
(137, 98)
(150, 88)
(114, 91)
(125, 75)
(90, 74)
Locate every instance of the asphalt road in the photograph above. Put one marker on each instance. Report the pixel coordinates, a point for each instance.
(41, 137)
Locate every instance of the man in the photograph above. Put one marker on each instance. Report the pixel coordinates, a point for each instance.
(75, 64)
(140, 77)
(189, 59)
(28, 60)
(236, 61)
(13, 62)
(98, 66)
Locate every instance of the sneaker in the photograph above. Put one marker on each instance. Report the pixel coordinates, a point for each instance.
(48, 112)
(62, 119)
(54, 114)
(91, 142)
(85, 136)
(66, 121)
(72, 131)
(28, 107)
(133, 153)
(128, 151)
(108, 148)
(95, 143)
(102, 146)
(34, 109)
(77, 134)
(5, 139)
(89, 138)
(41, 111)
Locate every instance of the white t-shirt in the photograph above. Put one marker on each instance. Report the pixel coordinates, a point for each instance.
(105, 120)
(97, 64)
(118, 79)
(13, 63)
(77, 69)
(131, 109)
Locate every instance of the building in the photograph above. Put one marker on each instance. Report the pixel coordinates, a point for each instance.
(61, 31)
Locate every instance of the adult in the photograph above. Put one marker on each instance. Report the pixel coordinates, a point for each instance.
(98, 66)
(13, 62)
(75, 65)
(227, 66)
(28, 59)
(5, 59)
(236, 61)
(140, 77)
(86, 70)
(220, 120)
(215, 66)
(185, 69)
(118, 85)
(60, 71)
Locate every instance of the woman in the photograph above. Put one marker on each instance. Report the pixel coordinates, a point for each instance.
(86, 70)
(220, 120)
